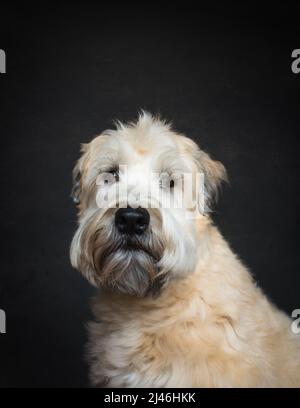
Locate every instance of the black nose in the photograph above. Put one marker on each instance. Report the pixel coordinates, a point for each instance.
(132, 220)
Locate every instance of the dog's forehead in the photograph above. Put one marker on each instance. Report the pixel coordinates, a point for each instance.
(149, 143)
(135, 147)
(146, 145)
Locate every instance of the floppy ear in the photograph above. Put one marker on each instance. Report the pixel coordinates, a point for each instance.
(76, 187)
(77, 176)
(214, 172)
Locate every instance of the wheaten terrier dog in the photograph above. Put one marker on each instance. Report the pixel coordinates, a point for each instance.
(176, 307)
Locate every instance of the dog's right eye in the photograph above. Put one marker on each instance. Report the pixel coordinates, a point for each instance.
(111, 175)
(115, 173)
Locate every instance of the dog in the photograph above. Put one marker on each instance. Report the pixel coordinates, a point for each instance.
(175, 306)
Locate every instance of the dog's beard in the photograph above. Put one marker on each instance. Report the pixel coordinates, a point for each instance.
(127, 264)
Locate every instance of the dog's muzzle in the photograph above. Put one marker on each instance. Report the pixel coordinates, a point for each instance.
(132, 221)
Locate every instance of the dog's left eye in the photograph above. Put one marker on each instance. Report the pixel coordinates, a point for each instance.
(166, 181)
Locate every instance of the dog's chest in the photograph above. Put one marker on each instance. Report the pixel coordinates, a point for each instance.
(177, 345)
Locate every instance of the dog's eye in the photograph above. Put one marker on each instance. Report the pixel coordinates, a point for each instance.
(110, 176)
(166, 181)
(115, 173)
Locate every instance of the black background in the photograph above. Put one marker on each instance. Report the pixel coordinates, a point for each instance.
(221, 74)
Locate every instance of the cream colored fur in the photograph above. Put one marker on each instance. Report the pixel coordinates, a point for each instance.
(210, 325)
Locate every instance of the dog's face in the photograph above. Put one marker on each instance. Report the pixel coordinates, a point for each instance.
(137, 227)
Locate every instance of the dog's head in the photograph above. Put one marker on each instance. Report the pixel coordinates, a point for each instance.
(138, 190)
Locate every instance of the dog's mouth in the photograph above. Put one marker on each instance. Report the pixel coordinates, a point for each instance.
(128, 251)
(134, 244)
(128, 263)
